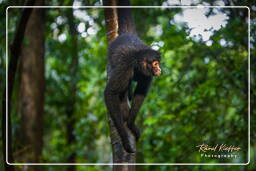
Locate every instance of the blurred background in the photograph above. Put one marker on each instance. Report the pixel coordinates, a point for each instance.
(201, 96)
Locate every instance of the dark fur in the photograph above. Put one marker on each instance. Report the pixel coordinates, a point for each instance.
(126, 56)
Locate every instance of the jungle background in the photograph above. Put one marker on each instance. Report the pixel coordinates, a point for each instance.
(57, 109)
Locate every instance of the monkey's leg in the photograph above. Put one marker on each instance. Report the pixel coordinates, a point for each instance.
(113, 104)
(137, 101)
(124, 106)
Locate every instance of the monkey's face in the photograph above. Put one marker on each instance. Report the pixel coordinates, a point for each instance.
(156, 70)
(150, 66)
(149, 62)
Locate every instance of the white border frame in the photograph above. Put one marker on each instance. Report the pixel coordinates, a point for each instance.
(85, 164)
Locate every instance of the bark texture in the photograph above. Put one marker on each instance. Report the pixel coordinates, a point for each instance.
(15, 50)
(31, 99)
(111, 20)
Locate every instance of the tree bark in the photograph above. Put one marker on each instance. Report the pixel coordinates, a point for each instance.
(14, 57)
(111, 20)
(119, 154)
(32, 86)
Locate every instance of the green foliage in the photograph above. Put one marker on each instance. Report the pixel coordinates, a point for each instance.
(201, 97)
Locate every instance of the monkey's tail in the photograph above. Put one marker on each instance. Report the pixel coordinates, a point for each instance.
(125, 21)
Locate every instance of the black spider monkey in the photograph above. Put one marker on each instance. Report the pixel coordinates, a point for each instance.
(130, 60)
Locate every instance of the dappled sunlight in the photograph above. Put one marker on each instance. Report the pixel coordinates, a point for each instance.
(202, 27)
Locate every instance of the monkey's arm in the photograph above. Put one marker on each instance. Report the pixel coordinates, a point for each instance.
(137, 101)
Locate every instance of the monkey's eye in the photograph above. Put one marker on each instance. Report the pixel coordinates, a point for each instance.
(155, 63)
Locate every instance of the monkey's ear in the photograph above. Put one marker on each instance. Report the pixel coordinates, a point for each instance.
(155, 64)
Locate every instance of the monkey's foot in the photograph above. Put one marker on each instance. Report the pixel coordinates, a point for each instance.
(135, 130)
(128, 148)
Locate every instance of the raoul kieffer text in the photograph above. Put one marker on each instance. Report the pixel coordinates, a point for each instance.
(218, 148)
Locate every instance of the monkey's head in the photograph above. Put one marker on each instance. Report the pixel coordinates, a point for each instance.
(149, 62)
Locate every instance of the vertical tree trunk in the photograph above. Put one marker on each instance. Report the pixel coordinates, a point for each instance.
(119, 154)
(111, 20)
(31, 99)
(70, 109)
(14, 57)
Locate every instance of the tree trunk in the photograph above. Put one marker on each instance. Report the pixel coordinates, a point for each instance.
(14, 57)
(119, 154)
(31, 99)
(70, 107)
(111, 20)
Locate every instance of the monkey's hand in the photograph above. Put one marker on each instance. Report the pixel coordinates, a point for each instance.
(134, 129)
